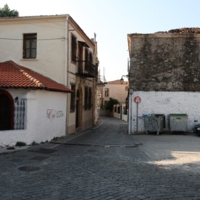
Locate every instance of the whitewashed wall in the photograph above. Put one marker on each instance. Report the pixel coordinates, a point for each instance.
(45, 117)
(164, 103)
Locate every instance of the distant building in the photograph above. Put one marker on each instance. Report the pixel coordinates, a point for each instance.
(114, 89)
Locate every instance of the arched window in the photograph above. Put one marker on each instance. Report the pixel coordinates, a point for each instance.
(6, 111)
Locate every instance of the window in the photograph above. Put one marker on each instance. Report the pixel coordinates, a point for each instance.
(72, 101)
(90, 98)
(118, 109)
(86, 59)
(91, 58)
(106, 92)
(73, 48)
(29, 45)
(86, 97)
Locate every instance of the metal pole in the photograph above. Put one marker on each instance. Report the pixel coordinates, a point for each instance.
(137, 118)
(130, 114)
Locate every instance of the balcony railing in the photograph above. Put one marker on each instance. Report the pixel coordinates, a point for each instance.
(87, 69)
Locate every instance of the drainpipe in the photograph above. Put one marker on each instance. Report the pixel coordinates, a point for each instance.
(67, 52)
(67, 68)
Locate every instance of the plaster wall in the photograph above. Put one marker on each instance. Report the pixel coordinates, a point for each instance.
(45, 117)
(164, 62)
(51, 45)
(87, 115)
(165, 103)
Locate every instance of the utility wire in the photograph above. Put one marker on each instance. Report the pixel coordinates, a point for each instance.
(62, 38)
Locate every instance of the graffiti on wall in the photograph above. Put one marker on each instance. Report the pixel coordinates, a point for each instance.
(52, 114)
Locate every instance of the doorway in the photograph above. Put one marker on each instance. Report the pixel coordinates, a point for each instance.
(6, 111)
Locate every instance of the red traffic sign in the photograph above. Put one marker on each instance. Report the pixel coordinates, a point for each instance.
(137, 99)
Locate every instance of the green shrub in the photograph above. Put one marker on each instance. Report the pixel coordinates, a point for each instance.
(110, 103)
(20, 144)
(34, 143)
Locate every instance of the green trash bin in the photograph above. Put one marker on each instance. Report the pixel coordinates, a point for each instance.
(177, 122)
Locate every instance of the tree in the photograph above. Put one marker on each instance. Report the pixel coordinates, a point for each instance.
(110, 103)
(6, 12)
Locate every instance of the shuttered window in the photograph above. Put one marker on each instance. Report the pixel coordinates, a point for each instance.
(73, 48)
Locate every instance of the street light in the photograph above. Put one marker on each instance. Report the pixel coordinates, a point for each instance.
(122, 80)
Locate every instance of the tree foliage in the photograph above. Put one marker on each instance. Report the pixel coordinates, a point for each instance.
(6, 12)
(110, 103)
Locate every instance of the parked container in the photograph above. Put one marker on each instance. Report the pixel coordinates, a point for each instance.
(177, 122)
(153, 123)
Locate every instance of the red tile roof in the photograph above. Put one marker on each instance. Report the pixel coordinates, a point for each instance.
(13, 75)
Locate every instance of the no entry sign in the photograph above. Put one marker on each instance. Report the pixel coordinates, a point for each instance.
(137, 99)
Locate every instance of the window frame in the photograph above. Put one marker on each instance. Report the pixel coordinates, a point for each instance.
(106, 92)
(73, 48)
(90, 98)
(29, 37)
(90, 57)
(86, 98)
(86, 59)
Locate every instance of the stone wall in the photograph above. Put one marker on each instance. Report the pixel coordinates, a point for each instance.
(165, 61)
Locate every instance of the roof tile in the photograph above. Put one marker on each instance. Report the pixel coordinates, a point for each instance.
(13, 75)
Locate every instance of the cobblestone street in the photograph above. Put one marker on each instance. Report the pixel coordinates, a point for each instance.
(101, 163)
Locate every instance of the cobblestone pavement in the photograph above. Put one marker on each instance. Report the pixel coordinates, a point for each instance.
(101, 163)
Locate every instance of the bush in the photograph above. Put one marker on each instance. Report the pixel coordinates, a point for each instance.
(20, 144)
(110, 103)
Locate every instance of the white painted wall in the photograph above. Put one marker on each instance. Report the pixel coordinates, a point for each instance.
(164, 103)
(51, 52)
(46, 117)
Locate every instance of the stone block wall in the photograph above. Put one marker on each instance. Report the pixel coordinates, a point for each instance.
(165, 61)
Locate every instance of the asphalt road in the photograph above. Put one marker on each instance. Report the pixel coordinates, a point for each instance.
(104, 163)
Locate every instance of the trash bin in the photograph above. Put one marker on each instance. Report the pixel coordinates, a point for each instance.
(153, 123)
(177, 122)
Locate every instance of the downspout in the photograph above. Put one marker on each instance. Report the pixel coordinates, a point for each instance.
(67, 69)
(67, 51)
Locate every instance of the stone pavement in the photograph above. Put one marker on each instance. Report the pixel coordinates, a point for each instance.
(101, 163)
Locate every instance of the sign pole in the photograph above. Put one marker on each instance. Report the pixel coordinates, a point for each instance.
(137, 100)
(137, 118)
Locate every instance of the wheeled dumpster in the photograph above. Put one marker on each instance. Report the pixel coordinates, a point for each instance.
(177, 122)
(154, 123)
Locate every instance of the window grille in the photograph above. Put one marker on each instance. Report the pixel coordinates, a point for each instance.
(19, 114)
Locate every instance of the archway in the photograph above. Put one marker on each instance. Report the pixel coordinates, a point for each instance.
(6, 111)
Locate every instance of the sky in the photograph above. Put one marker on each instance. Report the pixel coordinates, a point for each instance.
(112, 20)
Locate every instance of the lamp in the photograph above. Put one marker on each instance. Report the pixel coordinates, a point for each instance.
(122, 80)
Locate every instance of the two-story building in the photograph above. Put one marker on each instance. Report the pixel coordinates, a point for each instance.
(57, 48)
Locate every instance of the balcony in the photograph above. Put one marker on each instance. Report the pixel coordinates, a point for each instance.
(87, 69)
